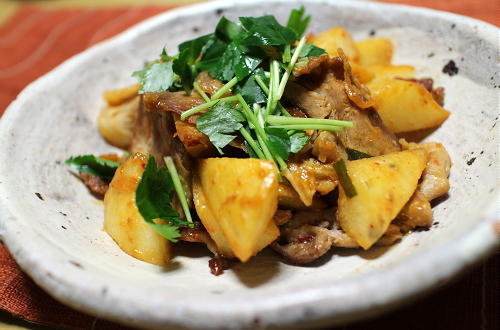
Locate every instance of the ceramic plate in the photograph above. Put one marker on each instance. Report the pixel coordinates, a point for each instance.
(53, 226)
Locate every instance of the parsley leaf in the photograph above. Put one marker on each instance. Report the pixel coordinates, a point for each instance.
(91, 164)
(297, 21)
(155, 77)
(266, 31)
(297, 141)
(279, 141)
(153, 198)
(220, 120)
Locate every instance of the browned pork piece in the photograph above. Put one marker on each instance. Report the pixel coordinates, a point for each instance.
(310, 234)
(330, 91)
(434, 183)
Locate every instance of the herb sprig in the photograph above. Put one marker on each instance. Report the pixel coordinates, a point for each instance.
(255, 59)
(94, 165)
(153, 198)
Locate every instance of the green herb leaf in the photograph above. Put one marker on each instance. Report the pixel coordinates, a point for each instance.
(310, 50)
(266, 31)
(250, 89)
(279, 141)
(297, 141)
(220, 120)
(195, 47)
(164, 56)
(153, 198)
(297, 21)
(344, 178)
(353, 154)
(234, 62)
(156, 77)
(97, 166)
(227, 30)
(185, 71)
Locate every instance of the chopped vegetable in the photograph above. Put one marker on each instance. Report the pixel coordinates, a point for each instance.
(345, 180)
(353, 154)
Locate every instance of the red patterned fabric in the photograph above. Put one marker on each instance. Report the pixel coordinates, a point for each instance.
(35, 40)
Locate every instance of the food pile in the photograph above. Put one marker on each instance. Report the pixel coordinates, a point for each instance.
(258, 135)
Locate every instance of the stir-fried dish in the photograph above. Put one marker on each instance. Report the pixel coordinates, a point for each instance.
(258, 135)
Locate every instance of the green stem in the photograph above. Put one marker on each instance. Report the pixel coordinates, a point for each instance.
(304, 127)
(266, 90)
(178, 187)
(207, 105)
(265, 149)
(281, 163)
(201, 91)
(262, 84)
(286, 54)
(252, 143)
(225, 88)
(289, 69)
(280, 120)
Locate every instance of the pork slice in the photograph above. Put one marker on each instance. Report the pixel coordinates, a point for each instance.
(334, 93)
(196, 143)
(209, 85)
(177, 102)
(309, 65)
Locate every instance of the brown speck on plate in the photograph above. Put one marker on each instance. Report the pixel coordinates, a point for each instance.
(450, 68)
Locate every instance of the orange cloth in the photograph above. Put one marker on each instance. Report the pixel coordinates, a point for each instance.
(35, 40)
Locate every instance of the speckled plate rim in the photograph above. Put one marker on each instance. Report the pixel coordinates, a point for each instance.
(311, 306)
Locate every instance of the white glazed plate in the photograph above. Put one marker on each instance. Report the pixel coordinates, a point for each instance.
(80, 265)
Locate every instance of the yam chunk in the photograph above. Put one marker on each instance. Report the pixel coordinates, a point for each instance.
(375, 51)
(336, 38)
(406, 106)
(124, 223)
(384, 184)
(242, 197)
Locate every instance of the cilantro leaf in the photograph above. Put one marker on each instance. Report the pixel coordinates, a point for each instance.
(279, 141)
(155, 77)
(91, 164)
(266, 31)
(297, 141)
(153, 198)
(297, 21)
(217, 122)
